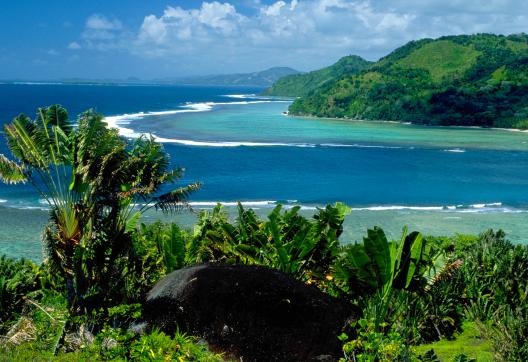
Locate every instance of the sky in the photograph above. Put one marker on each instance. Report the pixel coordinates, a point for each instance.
(149, 39)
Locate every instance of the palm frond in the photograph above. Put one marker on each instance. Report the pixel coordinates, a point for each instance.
(446, 272)
(11, 172)
(175, 200)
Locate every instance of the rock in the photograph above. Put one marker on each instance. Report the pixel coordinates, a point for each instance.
(23, 331)
(80, 339)
(252, 312)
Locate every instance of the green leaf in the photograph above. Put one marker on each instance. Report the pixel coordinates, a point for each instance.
(377, 248)
(416, 255)
(132, 222)
(10, 171)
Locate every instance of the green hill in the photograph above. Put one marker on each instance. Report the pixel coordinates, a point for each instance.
(471, 80)
(302, 84)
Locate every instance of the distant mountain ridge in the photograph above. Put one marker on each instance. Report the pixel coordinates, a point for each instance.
(263, 78)
(466, 80)
(302, 84)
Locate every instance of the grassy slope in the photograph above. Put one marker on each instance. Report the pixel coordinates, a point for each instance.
(469, 342)
(448, 81)
(302, 84)
(442, 59)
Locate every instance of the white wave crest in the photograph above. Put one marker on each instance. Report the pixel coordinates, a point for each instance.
(474, 208)
(455, 150)
(231, 143)
(2, 201)
(356, 145)
(400, 207)
(232, 203)
(239, 96)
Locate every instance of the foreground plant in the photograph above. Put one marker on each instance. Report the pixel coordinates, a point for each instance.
(92, 180)
(287, 241)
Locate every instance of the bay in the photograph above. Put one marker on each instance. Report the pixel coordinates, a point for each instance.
(243, 148)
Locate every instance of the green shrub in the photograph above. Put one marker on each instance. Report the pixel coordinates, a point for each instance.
(18, 278)
(496, 277)
(171, 242)
(117, 344)
(372, 344)
(287, 241)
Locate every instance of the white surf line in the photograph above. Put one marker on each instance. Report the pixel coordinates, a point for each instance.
(232, 203)
(455, 150)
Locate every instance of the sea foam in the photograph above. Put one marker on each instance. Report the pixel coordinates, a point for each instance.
(455, 150)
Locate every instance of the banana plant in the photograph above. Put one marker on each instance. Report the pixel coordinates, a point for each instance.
(380, 265)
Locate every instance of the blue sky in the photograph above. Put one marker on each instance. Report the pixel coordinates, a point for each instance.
(148, 39)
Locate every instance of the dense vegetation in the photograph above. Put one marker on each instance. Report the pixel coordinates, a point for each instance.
(84, 301)
(469, 80)
(297, 85)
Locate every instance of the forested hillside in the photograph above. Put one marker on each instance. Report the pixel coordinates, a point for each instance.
(470, 80)
(296, 85)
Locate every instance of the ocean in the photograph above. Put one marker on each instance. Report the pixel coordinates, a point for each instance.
(244, 148)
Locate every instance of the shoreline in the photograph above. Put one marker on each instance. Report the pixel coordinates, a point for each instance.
(288, 114)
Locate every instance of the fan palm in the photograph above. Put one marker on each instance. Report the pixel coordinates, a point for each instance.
(93, 181)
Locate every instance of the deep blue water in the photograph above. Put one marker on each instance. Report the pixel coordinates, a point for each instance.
(359, 176)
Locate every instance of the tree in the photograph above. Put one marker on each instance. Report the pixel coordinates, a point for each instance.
(97, 185)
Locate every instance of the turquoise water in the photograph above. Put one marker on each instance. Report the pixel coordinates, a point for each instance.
(242, 147)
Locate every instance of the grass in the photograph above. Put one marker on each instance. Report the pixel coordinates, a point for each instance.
(29, 352)
(469, 342)
(441, 58)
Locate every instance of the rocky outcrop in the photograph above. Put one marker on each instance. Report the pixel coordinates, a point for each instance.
(252, 312)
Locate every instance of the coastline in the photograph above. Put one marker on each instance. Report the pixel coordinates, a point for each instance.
(288, 114)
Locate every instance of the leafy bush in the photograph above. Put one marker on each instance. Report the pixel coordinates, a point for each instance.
(411, 285)
(117, 344)
(171, 242)
(287, 241)
(18, 278)
(496, 277)
(372, 344)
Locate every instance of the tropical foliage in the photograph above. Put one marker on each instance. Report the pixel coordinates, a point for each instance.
(475, 80)
(18, 279)
(92, 181)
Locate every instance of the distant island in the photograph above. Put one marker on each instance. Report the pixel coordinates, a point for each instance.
(263, 78)
(467, 80)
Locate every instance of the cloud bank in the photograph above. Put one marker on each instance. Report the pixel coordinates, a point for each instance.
(217, 37)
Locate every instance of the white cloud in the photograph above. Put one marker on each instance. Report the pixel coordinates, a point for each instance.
(217, 37)
(74, 45)
(103, 34)
(99, 22)
(274, 10)
(284, 32)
